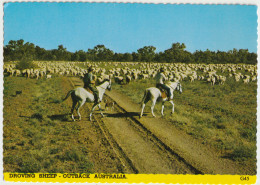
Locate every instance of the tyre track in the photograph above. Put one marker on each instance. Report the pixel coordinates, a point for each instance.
(125, 161)
(170, 160)
(147, 133)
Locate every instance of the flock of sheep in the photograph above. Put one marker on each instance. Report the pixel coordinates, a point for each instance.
(125, 72)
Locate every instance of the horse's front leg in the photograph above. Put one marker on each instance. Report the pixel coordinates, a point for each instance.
(152, 107)
(172, 106)
(92, 110)
(72, 110)
(142, 111)
(100, 110)
(162, 108)
(79, 105)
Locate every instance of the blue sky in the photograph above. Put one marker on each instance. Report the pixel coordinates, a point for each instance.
(128, 27)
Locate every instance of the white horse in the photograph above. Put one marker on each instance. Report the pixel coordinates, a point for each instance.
(80, 95)
(154, 93)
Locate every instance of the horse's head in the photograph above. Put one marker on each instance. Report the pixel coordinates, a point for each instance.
(109, 85)
(179, 87)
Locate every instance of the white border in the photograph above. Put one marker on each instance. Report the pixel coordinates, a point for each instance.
(244, 2)
(226, 2)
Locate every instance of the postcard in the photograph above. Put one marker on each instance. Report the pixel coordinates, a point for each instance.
(140, 92)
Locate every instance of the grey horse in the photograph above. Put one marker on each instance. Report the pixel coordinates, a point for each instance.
(80, 96)
(154, 93)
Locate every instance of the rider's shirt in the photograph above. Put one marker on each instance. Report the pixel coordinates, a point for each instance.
(160, 78)
(88, 78)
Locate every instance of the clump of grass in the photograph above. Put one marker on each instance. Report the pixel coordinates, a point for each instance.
(29, 165)
(37, 116)
(41, 134)
(214, 114)
(242, 153)
(248, 133)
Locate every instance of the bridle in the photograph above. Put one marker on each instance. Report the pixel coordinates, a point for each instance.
(179, 86)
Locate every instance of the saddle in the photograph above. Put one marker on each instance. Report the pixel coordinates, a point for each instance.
(163, 92)
(88, 89)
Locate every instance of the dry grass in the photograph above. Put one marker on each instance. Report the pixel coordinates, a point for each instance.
(223, 116)
(37, 136)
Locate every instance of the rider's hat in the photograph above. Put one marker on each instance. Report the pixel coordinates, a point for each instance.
(161, 70)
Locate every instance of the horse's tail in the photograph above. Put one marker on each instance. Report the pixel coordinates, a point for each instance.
(69, 93)
(146, 96)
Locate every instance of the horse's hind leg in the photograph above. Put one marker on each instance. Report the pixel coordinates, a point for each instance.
(162, 108)
(143, 105)
(100, 110)
(72, 109)
(79, 105)
(92, 110)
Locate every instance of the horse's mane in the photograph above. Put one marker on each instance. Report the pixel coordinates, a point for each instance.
(169, 83)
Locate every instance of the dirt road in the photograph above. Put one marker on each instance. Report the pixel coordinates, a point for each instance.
(153, 145)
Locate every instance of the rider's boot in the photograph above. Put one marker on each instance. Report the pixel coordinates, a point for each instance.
(96, 99)
(169, 98)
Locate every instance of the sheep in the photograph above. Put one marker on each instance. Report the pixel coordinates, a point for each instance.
(128, 79)
(134, 75)
(246, 79)
(119, 79)
(17, 72)
(222, 79)
(37, 74)
(212, 80)
(48, 76)
(237, 77)
(41, 73)
(253, 78)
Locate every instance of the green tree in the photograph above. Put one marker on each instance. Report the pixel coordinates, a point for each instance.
(127, 57)
(176, 53)
(40, 53)
(82, 55)
(100, 53)
(147, 53)
(136, 57)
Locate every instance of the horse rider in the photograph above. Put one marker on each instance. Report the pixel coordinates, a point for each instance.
(160, 78)
(89, 82)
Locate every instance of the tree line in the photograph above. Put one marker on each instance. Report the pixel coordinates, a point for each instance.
(19, 50)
